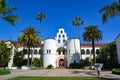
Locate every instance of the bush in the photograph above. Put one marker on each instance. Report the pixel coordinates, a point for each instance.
(116, 71)
(3, 72)
(50, 66)
(37, 62)
(86, 62)
(74, 65)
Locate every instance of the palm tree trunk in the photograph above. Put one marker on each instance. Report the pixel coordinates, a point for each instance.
(28, 61)
(93, 47)
(80, 40)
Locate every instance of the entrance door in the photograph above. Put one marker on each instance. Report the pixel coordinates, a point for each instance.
(61, 63)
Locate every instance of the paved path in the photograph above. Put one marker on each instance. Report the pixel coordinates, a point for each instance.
(59, 72)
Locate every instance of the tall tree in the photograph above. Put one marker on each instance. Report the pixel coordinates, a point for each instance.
(41, 17)
(110, 11)
(92, 34)
(6, 13)
(4, 54)
(29, 38)
(78, 22)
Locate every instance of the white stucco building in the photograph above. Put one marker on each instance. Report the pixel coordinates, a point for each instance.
(60, 51)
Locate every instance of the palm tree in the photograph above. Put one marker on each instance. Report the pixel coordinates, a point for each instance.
(6, 13)
(41, 17)
(110, 11)
(78, 22)
(92, 34)
(29, 38)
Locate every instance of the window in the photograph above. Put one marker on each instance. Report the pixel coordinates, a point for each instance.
(82, 51)
(87, 51)
(61, 31)
(63, 36)
(35, 51)
(59, 53)
(59, 36)
(48, 51)
(97, 51)
(64, 41)
(40, 51)
(92, 51)
(58, 41)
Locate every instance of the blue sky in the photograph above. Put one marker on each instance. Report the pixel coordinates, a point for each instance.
(60, 13)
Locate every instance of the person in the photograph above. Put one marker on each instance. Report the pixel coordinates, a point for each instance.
(98, 70)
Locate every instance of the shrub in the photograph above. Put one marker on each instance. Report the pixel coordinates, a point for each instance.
(74, 65)
(50, 66)
(37, 62)
(116, 71)
(3, 72)
(86, 62)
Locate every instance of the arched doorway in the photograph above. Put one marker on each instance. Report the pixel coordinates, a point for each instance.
(61, 62)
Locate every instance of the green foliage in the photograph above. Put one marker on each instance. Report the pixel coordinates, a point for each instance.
(50, 66)
(74, 65)
(4, 72)
(92, 34)
(108, 56)
(6, 12)
(4, 54)
(29, 38)
(18, 58)
(37, 62)
(117, 71)
(86, 62)
(109, 11)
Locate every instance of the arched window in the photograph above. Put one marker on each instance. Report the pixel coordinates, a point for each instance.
(63, 36)
(58, 41)
(61, 31)
(35, 51)
(63, 40)
(91, 51)
(40, 51)
(87, 51)
(97, 51)
(82, 51)
(59, 36)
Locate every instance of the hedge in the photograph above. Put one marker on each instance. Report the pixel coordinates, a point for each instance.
(116, 71)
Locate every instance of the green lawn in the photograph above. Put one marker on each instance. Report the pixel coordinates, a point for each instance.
(57, 78)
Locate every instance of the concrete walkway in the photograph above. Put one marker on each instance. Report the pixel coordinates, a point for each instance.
(60, 72)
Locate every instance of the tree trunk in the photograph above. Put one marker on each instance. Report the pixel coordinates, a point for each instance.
(93, 48)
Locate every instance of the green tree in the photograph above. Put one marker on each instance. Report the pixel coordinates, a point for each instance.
(41, 17)
(18, 58)
(29, 38)
(78, 22)
(108, 55)
(4, 54)
(6, 13)
(92, 34)
(110, 11)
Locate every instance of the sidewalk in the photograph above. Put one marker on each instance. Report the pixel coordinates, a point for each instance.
(59, 72)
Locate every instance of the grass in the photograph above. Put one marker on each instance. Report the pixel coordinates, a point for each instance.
(57, 78)
(4, 72)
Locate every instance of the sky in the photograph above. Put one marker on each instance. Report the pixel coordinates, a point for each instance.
(60, 14)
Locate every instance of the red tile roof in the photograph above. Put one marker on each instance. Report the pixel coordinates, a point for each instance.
(97, 44)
